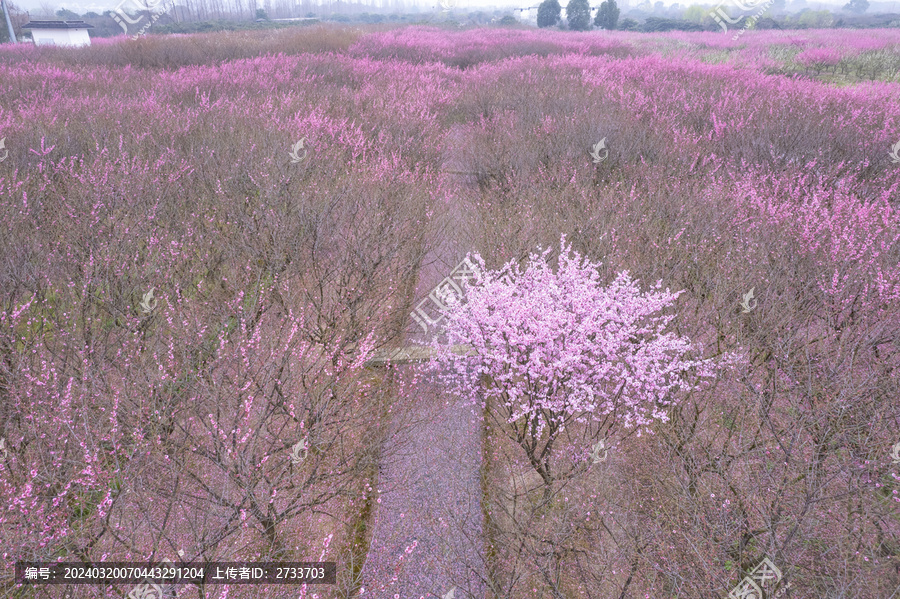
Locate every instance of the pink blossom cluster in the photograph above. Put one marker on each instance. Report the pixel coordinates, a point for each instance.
(554, 343)
(819, 56)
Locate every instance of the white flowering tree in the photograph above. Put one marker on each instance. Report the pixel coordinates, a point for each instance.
(550, 349)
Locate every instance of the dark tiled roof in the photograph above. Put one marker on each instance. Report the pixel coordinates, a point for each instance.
(57, 25)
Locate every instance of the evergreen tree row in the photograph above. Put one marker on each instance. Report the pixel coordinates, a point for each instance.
(578, 14)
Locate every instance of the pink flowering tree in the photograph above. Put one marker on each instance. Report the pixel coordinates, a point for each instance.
(552, 349)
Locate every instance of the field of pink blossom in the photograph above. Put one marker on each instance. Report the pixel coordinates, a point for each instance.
(188, 298)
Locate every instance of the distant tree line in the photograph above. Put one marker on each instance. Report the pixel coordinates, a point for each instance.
(578, 14)
(215, 11)
(698, 18)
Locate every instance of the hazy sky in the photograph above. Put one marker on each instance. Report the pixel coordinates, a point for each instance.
(98, 6)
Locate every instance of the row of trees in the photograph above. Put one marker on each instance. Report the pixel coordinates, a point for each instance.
(694, 18)
(578, 14)
(181, 11)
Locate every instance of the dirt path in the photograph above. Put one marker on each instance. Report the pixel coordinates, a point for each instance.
(432, 496)
(431, 481)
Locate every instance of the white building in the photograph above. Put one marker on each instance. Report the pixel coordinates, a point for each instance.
(59, 33)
